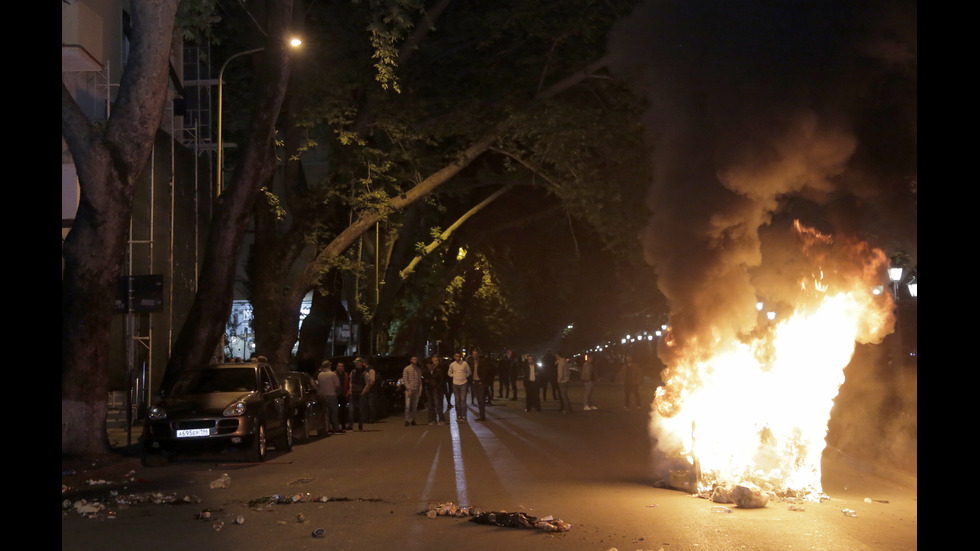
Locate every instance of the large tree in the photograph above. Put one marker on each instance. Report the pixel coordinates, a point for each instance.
(486, 80)
(201, 333)
(110, 158)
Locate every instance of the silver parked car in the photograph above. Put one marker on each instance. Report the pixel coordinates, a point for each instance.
(236, 404)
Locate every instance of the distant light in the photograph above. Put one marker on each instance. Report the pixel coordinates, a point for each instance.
(878, 290)
(913, 289)
(771, 315)
(895, 274)
(295, 42)
(758, 306)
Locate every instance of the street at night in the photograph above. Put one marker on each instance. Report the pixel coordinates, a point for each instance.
(703, 210)
(370, 490)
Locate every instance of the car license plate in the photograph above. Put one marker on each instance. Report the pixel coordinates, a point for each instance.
(188, 433)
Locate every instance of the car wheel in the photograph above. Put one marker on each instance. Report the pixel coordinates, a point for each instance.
(285, 442)
(256, 450)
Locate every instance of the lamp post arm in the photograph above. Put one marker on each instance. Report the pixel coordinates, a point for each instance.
(221, 82)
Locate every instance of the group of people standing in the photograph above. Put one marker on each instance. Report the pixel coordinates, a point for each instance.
(349, 396)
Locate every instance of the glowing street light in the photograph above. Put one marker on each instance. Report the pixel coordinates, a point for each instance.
(293, 42)
(895, 275)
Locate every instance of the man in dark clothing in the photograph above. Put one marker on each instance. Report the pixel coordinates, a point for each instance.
(434, 385)
(504, 375)
(482, 379)
(360, 386)
(549, 372)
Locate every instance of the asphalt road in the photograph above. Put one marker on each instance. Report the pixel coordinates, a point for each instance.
(366, 490)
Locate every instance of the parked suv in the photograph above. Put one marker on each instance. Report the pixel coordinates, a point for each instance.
(236, 404)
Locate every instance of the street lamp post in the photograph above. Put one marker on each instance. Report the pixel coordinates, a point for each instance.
(895, 275)
(293, 42)
(221, 83)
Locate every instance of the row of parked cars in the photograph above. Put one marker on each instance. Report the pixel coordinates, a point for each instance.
(250, 407)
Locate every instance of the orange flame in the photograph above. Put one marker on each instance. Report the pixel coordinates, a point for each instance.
(756, 409)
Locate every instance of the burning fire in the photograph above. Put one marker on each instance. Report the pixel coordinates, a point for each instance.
(756, 408)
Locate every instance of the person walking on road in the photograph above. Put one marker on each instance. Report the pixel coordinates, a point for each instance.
(514, 366)
(482, 369)
(532, 400)
(503, 376)
(548, 376)
(343, 397)
(459, 372)
(328, 385)
(412, 379)
(563, 374)
(434, 383)
(360, 387)
(374, 395)
(588, 381)
(444, 367)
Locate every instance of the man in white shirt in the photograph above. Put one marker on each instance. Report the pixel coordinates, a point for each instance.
(459, 372)
(327, 385)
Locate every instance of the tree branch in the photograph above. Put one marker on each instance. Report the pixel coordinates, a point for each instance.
(449, 231)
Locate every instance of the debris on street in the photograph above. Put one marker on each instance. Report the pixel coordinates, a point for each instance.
(102, 508)
(266, 501)
(224, 481)
(497, 518)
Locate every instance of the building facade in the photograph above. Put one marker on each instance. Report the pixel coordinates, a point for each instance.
(174, 198)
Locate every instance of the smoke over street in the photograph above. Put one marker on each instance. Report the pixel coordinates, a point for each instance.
(761, 114)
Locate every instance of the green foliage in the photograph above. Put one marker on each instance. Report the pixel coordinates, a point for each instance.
(390, 23)
(272, 200)
(196, 19)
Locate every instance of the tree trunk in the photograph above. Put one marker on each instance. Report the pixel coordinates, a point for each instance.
(109, 161)
(205, 324)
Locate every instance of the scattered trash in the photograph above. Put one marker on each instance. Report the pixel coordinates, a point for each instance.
(745, 495)
(796, 507)
(218, 525)
(223, 481)
(100, 509)
(683, 480)
(869, 500)
(300, 518)
(240, 519)
(749, 496)
(849, 512)
(303, 498)
(497, 518)
(204, 515)
(720, 509)
(319, 533)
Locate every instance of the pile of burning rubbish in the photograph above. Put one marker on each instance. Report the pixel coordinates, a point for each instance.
(497, 518)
